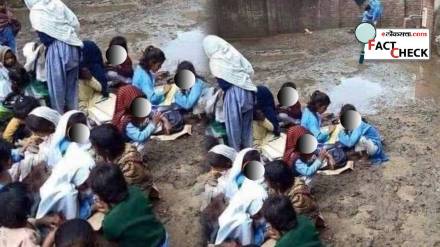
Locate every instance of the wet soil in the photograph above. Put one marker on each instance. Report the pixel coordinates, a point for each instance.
(393, 205)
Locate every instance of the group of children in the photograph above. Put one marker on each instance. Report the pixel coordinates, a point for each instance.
(55, 190)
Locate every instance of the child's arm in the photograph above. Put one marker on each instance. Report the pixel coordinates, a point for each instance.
(350, 138)
(11, 128)
(187, 101)
(305, 170)
(138, 135)
(94, 84)
(268, 125)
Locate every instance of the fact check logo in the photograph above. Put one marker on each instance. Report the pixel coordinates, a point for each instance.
(399, 44)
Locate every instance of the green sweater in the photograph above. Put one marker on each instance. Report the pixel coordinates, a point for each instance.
(303, 235)
(132, 222)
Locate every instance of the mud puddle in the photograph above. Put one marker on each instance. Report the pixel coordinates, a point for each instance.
(187, 46)
(427, 85)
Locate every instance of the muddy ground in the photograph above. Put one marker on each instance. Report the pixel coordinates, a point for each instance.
(393, 205)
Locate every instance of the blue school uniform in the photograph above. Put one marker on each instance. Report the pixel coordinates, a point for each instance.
(146, 82)
(351, 138)
(189, 99)
(312, 122)
(139, 134)
(306, 169)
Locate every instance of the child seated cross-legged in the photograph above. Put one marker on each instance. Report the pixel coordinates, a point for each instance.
(312, 116)
(262, 129)
(124, 71)
(187, 99)
(110, 146)
(137, 130)
(286, 227)
(89, 91)
(365, 138)
(289, 115)
(129, 219)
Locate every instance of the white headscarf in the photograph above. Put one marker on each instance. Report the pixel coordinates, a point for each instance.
(55, 19)
(235, 221)
(59, 135)
(59, 193)
(5, 83)
(46, 113)
(227, 63)
(236, 169)
(224, 150)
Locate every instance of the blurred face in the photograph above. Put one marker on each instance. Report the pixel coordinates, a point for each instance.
(9, 59)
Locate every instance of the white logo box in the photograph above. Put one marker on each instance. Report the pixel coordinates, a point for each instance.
(399, 44)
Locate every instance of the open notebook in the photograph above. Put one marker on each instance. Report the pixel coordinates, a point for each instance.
(275, 148)
(103, 111)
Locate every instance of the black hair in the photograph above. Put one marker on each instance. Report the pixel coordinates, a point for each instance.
(19, 76)
(187, 65)
(347, 107)
(210, 142)
(23, 106)
(39, 125)
(75, 233)
(5, 153)
(76, 118)
(279, 176)
(279, 212)
(289, 84)
(151, 55)
(15, 204)
(252, 155)
(218, 161)
(119, 40)
(368, 7)
(108, 141)
(108, 182)
(317, 100)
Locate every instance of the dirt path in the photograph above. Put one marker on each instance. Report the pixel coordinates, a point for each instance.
(394, 205)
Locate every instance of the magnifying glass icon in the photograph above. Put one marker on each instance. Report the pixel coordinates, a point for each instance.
(364, 33)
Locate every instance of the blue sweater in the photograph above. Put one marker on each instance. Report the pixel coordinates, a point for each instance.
(189, 99)
(138, 134)
(145, 81)
(312, 122)
(307, 170)
(351, 138)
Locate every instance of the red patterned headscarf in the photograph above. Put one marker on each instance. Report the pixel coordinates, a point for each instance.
(291, 154)
(124, 97)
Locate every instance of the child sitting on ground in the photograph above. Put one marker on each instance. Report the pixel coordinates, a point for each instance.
(147, 71)
(16, 129)
(71, 233)
(289, 115)
(365, 138)
(281, 181)
(308, 164)
(129, 219)
(42, 122)
(220, 160)
(122, 73)
(311, 116)
(5, 163)
(110, 146)
(286, 227)
(187, 99)
(136, 130)
(89, 91)
(16, 228)
(262, 130)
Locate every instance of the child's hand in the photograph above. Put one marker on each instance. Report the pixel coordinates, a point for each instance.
(51, 221)
(162, 75)
(273, 234)
(157, 117)
(322, 154)
(101, 207)
(331, 128)
(167, 88)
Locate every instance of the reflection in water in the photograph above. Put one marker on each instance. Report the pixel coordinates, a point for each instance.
(357, 91)
(187, 46)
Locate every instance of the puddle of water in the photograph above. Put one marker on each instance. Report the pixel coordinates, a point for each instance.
(187, 46)
(357, 91)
